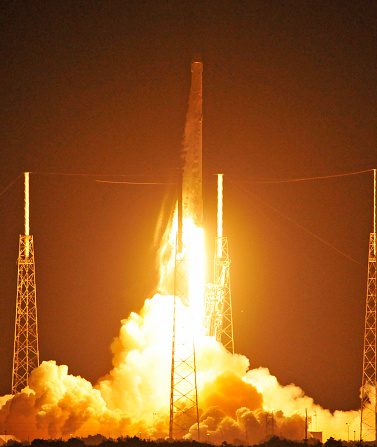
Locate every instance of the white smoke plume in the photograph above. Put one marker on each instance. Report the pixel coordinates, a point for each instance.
(237, 404)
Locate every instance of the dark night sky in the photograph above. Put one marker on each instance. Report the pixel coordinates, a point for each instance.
(101, 88)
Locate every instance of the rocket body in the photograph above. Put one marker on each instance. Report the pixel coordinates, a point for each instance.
(192, 200)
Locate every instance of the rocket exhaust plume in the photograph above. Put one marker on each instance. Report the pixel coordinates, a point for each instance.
(235, 402)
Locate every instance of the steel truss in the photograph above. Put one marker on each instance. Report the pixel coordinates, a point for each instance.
(218, 309)
(26, 351)
(368, 392)
(184, 412)
(368, 422)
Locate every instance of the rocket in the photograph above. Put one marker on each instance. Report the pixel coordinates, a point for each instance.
(192, 200)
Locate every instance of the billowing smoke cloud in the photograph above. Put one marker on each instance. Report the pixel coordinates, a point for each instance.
(57, 404)
(237, 404)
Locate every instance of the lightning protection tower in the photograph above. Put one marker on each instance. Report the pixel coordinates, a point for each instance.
(368, 410)
(184, 411)
(26, 351)
(218, 309)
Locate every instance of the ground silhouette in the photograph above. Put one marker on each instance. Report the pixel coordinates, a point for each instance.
(100, 441)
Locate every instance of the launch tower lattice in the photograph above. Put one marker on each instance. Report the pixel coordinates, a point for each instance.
(26, 351)
(218, 308)
(368, 410)
(218, 313)
(184, 411)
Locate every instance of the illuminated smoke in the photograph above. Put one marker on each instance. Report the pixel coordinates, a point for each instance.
(133, 398)
(237, 404)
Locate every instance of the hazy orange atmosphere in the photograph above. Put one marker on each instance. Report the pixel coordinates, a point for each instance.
(94, 105)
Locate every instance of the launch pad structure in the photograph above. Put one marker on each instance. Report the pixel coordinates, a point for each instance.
(184, 409)
(26, 350)
(218, 320)
(368, 408)
(218, 303)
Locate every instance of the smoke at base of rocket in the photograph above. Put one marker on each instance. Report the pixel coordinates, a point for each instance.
(133, 396)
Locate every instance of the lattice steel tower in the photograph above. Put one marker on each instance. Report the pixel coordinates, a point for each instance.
(218, 309)
(368, 411)
(184, 411)
(26, 351)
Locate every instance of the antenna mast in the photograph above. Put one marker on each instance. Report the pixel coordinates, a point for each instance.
(27, 203)
(374, 200)
(26, 350)
(219, 214)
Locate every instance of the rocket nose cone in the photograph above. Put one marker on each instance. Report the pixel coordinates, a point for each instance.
(197, 66)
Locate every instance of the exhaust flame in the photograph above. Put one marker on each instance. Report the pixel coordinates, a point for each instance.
(193, 239)
(237, 404)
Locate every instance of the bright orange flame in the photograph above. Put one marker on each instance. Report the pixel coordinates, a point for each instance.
(133, 398)
(193, 242)
(194, 261)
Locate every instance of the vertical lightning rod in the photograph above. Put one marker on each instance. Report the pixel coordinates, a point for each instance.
(27, 203)
(26, 214)
(374, 200)
(219, 215)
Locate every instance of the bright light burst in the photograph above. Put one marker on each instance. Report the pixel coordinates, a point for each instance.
(133, 398)
(193, 243)
(194, 261)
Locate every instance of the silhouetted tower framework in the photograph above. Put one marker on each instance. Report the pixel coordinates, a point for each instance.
(368, 419)
(269, 425)
(218, 309)
(26, 351)
(184, 410)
